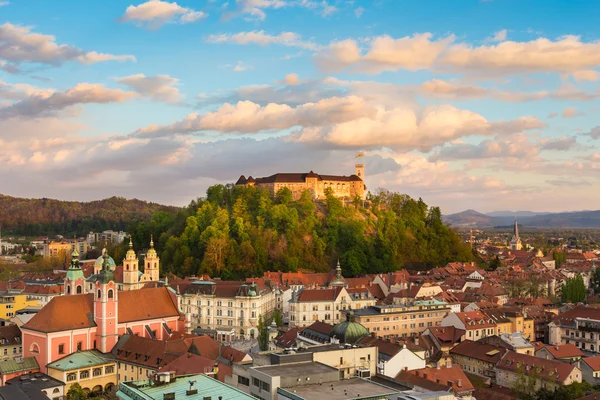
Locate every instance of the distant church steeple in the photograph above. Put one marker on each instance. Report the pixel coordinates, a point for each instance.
(515, 241)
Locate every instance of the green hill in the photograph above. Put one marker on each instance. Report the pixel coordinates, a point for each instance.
(236, 232)
(29, 217)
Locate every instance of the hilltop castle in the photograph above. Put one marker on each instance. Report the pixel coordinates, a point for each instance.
(342, 186)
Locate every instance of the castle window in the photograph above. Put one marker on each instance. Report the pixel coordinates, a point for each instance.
(99, 294)
(34, 348)
(79, 289)
(61, 349)
(68, 289)
(79, 346)
(110, 294)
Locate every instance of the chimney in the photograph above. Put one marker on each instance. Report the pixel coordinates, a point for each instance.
(459, 383)
(448, 363)
(416, 340)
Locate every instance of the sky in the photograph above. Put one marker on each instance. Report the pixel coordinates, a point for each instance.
(488, 105)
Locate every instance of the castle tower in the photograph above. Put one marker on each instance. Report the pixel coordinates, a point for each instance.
(152, 262)
(515, 241)
(130, 269)
(106, 308)
(74, 280)
(360, 171)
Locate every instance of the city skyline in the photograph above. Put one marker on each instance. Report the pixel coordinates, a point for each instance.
(486, 105)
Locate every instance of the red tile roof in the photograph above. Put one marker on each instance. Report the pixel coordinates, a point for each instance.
(453, 377)
(563, 351)
(549, 370)
(447, 334)
(188, 364)
(592, 362)
(475, 320)
(309, 295)
(479, 351)
(64, 313)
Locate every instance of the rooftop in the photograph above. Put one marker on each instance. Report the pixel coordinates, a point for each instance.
(81, 359)
(293, 370)
(344, 389)
(38, 380)
(204, 386)
(19, 365)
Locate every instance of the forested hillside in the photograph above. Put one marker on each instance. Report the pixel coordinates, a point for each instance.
(21, 216)
(236, 232)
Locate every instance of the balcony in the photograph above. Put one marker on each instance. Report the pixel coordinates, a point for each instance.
(579, 339)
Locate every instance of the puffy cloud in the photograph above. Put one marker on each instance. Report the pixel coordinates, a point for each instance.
(155, 13)
(49, 103)
(249, 117)
(18, 91)
(240, 67)
(384, 54)
(254, 9)
(322, 7)
(359, 12)
(594, 133)
(261, 38)
(567, 54)
(403, 129)
(499, 36)
(517, 145)
(587, 75)
(291, 79)
(19, 45)
(157, 87)
(560, 144)
(571, 112)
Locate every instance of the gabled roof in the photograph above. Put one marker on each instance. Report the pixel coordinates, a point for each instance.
(568, 318)
(64, 313)
(10, 335)
(563, 351)
(452, 376)
(188, 364)
(592, 362)
(24, 364)
(479, 351)
(81, 359)
(549, 370)
(309, 295)
(447, 334)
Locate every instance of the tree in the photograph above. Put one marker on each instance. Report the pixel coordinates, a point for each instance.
(573, 291)
(263, 333)
(495, 264)
(277, 317)
(76, 392)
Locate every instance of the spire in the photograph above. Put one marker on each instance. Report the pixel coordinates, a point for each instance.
(131, 241)
(151, 241)
(338, 270)
(130, 253)
(516, 229)
(75, 253)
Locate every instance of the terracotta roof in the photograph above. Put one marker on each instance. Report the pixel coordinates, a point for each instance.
(479, 351)
(550, 370)
(568, 318)
(411, 380)
(592, 362)
(376, 291)
(447, 334)
(453, 377)
(492, 394)
(319, 294)
(44, 289)
(320, 327)
(386, 347)
(148, 352)
(288, 339)
(77, 311)
(564, 351)
(188, 364)
(475, 320)
(10, 335)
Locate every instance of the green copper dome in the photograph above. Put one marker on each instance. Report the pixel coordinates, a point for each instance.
(100, 261)
(349, 331)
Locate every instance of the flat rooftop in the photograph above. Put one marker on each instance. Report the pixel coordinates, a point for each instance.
(296, 369)
(342, 390)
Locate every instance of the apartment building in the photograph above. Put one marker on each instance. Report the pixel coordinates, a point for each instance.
(94, 371)
(476, 324)
(230, 308)
(402, 320)
(10, 342)
(327, 305)
(579, 326)
(477, 358)
(13, 301)
(547, 374)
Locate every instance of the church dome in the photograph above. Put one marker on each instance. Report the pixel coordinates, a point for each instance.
(349, 331)
(100, 260)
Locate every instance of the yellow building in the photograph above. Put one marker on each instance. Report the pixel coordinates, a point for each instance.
(11, 302)
(508, 322)
(94, 371)
(58, 249)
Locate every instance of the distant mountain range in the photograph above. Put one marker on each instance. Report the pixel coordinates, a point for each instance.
(474, 219)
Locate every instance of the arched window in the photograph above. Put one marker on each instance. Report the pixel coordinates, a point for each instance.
(84, 374)
(71, 377)
(56, 390)
(99, 294)
(110, 294)
(68, 289)
(79, 289)
(34, 348)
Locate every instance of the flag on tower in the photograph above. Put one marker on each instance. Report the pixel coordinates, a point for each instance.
(361, 154)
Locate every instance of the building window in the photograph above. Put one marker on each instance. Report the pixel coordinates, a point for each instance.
(79, 289)
(110, 294)
(97, 372)
(71, 377)
(84, 374)
(61, 349)
(79, 346)
(109, 370)
(99, 294)
(243, 381)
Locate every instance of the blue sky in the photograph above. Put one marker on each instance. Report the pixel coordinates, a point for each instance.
(468, 104)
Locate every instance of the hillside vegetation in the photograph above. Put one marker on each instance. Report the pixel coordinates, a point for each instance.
(236, 232)
(32, 217)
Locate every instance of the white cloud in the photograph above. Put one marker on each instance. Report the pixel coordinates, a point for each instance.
(254, 9)
(517, 145)
(358, 12)
(289, 39)
(49, 103)
(158, 87)
(587, 75)
(560, 144)
(571, 112)
(155, 13)
(249, 117)
(499, 36)
(292, 79)
(240, 67)
(19, 45)
(567, 54)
